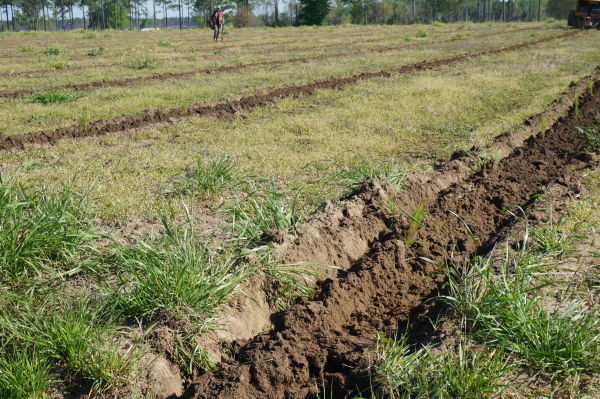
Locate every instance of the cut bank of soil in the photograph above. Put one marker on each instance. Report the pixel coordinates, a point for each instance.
(244, 103)
(224, 69)
(325, 342)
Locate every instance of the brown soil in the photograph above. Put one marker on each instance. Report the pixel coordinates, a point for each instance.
(243, 103)
(326, 342)
(232, 68)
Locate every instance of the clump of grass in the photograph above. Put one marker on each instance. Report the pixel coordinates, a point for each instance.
(75, 338)
(57, 64)
(211, 177)
(260, 211)
(141, 63)
(24, 373)
(458, 36)
(591, 136)
(504, 310)
(27, 49)
(166, 44)
(553, 238)
(421, 34)
(41, 232)
(174, 274)
(52, 51)
(354, 175)
(95, 52)
(576, 106)
(89, 36)
(423, 373)
(52, 97)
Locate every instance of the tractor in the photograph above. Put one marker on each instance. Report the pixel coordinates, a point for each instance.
(586, 14)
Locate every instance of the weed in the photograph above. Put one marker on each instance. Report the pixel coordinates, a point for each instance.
(95, 52)
(544, 127)
(591, 136)
(421, 34)
(591, 88)
(140, 63)
(51, 97)
(191, 355)
(290, 282)
(57, 64)
(27, 49)
(260, 211)
(391, 206)
(416, 221)
(166, 44)
(52, 51)
(89, 36)
(464, 373)
(576, 106)
(174, 274)
(37, 119)
(211, 177)
(458, 36)
(504, 310)
(41, 232)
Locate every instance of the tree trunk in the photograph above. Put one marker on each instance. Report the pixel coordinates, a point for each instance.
(539, 10)
(166, 16)
(62, 14)
(179, 14)
(83, 16)
(276, 4)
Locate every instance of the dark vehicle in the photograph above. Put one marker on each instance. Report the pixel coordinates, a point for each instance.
(585, 15)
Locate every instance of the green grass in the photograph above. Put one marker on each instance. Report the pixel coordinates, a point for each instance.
(95, 52)
(52, 97)
(211, 178)
(141, 63)
(52, 51)
(505, 310)
(75, 339)
(425, 373)
(41, 232)
(591, 136)
(262, 210)
(174, 275)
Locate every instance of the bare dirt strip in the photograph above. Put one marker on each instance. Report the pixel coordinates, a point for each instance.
(323, 345)
(243, 103)
(223, 69)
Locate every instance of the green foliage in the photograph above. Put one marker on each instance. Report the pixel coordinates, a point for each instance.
(176, 275)
(52, 51)
(57, 64)
(313, 12)
(591, 137)
(505, 310)
(353, 176)
(404, 373)
(260, 211)
(211, 177)
(559, 9)
(89, 36)
(96, 52)
(76, 338)
(51, 97)
(141, 63)
(166, 44)
(41, 232)
(552, 238)
(24, 374)
(421, 34)
(27, 49)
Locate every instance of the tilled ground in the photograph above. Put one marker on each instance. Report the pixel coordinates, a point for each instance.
(326, 342)
(243, 103)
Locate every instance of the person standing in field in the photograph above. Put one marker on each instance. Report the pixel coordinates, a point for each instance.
(217, 20)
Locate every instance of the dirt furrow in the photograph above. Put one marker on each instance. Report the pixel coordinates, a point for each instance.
(326, 342)
(230, 68)
(243, 103)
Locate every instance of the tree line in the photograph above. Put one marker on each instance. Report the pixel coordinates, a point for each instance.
(137, 14)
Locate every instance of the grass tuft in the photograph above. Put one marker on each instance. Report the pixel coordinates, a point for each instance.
(52, 97)
(174, 274)
(425, 373)
(591, 137)
(211, 177)
(41, 232)
(505, 310)
(95, 52)
(52, 51)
